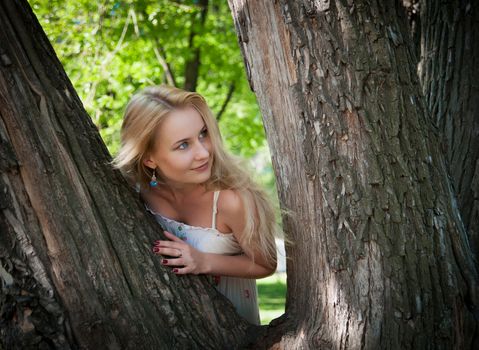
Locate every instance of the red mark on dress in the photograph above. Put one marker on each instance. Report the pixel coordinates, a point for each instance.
(246, 293)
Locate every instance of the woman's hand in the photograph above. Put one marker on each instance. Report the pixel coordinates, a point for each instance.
(192, 260)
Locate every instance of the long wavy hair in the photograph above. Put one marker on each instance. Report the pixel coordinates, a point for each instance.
(144, 115)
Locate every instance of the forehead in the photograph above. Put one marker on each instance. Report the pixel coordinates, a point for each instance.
(180, 124)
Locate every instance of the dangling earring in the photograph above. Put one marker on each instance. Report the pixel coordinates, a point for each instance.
(153, 182)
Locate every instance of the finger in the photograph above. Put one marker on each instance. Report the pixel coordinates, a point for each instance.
(169, 236)
(173, 262)
(172, 237)
(181, 271)
(168, 244)
(166, 251)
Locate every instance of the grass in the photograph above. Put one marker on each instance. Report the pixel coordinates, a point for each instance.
(272, 295)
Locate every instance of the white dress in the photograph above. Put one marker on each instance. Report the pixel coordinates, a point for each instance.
(242, 292)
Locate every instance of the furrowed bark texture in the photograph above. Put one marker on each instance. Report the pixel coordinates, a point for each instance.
(379, 257)
(449, 73)
(75, 245)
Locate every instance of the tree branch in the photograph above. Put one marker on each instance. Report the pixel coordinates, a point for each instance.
(108, 58)
(227, 100)
(161, 57)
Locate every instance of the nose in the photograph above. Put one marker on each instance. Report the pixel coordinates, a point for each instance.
(202, 151)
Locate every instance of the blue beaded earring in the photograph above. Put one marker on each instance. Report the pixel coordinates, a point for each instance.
(153, 182)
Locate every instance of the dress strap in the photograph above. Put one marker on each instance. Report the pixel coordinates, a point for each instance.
(215, 209)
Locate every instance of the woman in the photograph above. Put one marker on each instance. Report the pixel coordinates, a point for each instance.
(217, 220)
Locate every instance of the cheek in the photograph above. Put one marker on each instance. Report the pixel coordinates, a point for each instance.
(209, 145)
(175, 163)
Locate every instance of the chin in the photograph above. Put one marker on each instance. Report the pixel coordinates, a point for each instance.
(205, 177)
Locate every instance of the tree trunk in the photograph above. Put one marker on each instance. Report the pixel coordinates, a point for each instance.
(449, 72)
(379, 256)
(76, 267)
(192, 66)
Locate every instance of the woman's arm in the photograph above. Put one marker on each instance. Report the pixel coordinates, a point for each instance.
(251, 264)
(236, 266)
(195, 262)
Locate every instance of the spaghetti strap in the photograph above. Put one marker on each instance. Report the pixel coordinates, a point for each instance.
(215, 209)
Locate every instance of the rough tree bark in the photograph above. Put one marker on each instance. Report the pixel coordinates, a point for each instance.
(379, 256)
(449, 72)
(76, 266)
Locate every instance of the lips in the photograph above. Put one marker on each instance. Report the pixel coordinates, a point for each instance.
(201, 167)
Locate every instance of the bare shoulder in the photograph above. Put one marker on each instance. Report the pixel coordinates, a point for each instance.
(230, 202)
(231, 210)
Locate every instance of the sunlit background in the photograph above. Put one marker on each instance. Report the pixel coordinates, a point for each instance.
(111, 49)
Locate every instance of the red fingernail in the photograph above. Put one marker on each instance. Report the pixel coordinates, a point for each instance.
(175, 270)
(156, 249)
(164, 261)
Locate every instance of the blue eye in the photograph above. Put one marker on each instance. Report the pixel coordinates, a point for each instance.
(184, 145)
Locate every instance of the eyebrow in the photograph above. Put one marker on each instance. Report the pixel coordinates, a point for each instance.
(186, 139)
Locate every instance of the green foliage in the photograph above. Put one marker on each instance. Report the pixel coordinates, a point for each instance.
(272, 295)
(108, 51)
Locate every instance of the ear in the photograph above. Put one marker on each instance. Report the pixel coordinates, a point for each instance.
(148, 162)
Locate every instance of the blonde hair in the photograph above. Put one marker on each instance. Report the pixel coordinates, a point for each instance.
(143, 116)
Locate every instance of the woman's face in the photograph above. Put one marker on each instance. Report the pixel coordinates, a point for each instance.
(183, 150)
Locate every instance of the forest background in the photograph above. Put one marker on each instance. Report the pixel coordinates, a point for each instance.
(111, 49)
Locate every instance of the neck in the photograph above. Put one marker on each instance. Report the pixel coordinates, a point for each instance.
(181, 192)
